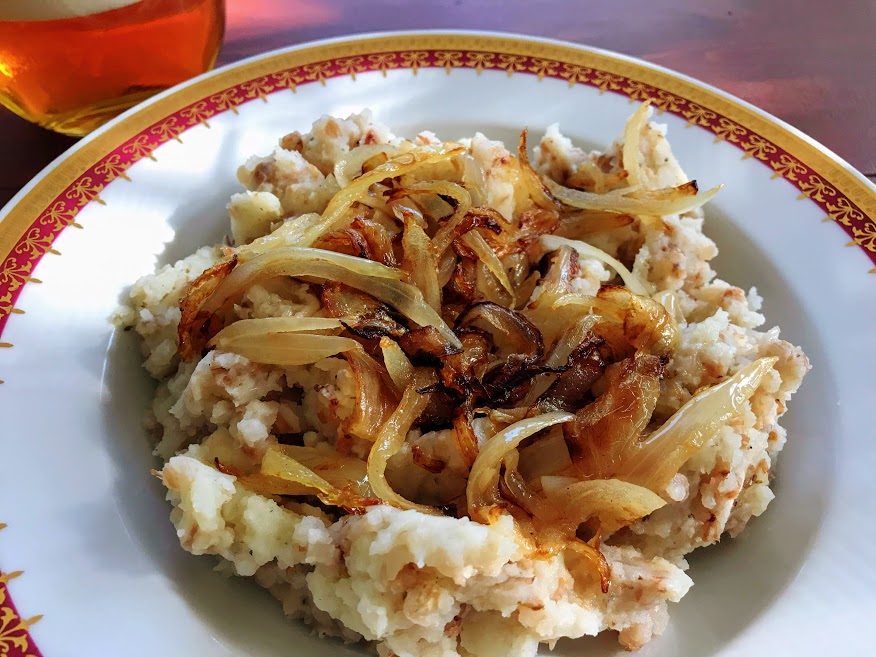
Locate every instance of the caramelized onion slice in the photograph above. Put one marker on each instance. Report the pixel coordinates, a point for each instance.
(364, 238)
(277, 464)
(397, 364)
(426, 343)
(546, 456)
(513, 334)
(552, 243)
(626, 203)
(487, 288)
(347, 473)
(349, 167)
(421, 263)
(290, 233)
(614, 503)
(285, 349)
(247, 328)
(389, 441)
(518, 345)
(590, 175)
(683, 191)
(660, 456)
(476, 242)
(374, 325)
(464, 435)
(513, 487)
(460, 224)
(343, 302)
(474, 179)
(645, 323)
(300, 261)
(594, 559)
(531, 224)
(606, 432)
(435, 206)
(347, 241)
(374, 161)
(460, 196)
(482, 491)
(377, 280)
(570, 340)
(447, 266)
(461, 372)
(632, 143)
(585, 367)
(282, 466)
(589, 222)
(539, 193)
(669, 300)
(551, 321)
(463, 280)
(195, 327)
(405, 210)
(375, 396)
(269, 485)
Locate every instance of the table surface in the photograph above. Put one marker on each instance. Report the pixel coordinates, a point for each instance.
(808, 62)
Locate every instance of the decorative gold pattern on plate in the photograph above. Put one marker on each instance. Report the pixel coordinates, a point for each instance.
(787, 167)
(697, 115)
(478, 60)
(138, 148)
(351, 66)
(15, 640)
(416, 59)
(198, 113)
(758, 147)
(112, 168)
(260, 87)
(287, 79)
(448, 59)
(727, 129)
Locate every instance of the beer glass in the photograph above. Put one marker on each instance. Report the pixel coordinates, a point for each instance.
(71, 65)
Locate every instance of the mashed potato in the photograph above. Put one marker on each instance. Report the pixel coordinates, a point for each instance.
(420, 585)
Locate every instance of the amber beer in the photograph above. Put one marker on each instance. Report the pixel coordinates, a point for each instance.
(70, 65)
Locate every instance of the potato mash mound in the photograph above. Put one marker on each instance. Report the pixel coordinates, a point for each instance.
(449, 402)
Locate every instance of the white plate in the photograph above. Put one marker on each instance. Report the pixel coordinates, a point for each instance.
(87, 523)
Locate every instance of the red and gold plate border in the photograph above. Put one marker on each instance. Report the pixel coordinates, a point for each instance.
(15, 640)
(30, 228)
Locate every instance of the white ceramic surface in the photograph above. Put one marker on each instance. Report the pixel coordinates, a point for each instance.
(88, 524)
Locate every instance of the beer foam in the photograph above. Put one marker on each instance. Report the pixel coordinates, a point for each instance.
(50, 10)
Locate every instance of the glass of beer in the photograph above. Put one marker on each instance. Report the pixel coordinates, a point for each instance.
(71, 65)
